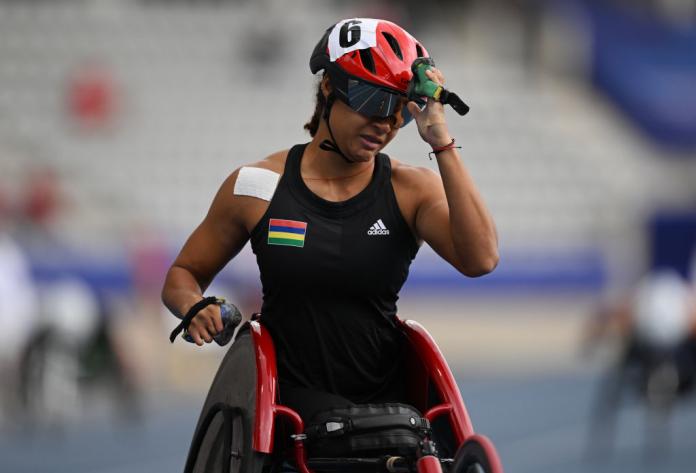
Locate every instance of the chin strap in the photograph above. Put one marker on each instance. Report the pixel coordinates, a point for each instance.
(330, 145)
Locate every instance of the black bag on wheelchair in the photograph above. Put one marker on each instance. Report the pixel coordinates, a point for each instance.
(365, 431)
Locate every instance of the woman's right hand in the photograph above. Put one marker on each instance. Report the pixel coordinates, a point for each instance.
(205, 325)
(431, 121)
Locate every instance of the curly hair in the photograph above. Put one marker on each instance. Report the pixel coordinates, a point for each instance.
(313, 124)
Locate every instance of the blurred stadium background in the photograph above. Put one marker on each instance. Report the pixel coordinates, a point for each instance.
(120, 119)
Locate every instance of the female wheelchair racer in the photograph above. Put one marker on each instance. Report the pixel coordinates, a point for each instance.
(335, 225)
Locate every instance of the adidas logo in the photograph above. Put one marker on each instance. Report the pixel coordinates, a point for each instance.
(378, 228)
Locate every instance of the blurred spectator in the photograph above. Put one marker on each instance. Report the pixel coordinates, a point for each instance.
(42, 197)
(39, 209)
(662, 310)
(72, 352)
(17, 309)
(92, 97)
(57, 344)
(50, 364)
(657, 359)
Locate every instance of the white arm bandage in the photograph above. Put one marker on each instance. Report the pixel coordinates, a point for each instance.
(256, 182)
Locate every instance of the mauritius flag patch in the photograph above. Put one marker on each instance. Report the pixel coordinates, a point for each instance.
(286, 232)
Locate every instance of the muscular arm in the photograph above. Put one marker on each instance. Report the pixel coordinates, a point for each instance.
(450, 213)
(452, 218)
(221, 235)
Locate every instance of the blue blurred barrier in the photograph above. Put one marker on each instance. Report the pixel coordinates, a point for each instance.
(648, 67)
(673, 241)
(109, 272)
(519, 270)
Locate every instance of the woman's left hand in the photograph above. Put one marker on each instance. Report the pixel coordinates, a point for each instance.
(431, 122)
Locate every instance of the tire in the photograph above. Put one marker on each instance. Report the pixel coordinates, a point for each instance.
(476, 455)
(223, 443)
(49, 387)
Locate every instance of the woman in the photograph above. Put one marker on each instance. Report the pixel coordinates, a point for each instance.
(335, 224)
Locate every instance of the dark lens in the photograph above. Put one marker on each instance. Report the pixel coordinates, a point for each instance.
(371, 101)
(406, 115)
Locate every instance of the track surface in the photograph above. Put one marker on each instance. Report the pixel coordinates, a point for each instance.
(539, 425)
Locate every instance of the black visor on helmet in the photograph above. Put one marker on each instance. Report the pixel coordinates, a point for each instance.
(374, 101)
(368, 99)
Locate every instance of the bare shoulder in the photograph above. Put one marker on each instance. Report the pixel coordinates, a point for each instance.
(243, 207)
(274, 162)
(408, 177)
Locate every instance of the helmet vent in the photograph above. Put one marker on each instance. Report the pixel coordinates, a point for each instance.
(394, 44)
(366, 58)
(419, 50)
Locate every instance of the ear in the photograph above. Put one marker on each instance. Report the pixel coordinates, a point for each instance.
(326, 87)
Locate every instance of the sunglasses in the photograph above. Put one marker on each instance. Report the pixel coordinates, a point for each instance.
(374, 101)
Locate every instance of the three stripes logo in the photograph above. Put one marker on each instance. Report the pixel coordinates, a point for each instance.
(378, 228)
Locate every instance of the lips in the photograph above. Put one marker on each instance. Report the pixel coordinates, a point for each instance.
(370, 142)
(372, 139)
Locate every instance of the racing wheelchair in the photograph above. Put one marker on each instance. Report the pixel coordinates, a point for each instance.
(237, 427)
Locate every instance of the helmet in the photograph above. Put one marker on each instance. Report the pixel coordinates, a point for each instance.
(375, 51)
(369, 64)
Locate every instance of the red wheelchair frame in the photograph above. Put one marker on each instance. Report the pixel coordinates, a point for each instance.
(428, 367)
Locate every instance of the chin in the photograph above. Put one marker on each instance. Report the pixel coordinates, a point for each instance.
(366, 156)
(361, 156)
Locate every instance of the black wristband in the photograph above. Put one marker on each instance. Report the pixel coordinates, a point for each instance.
(193, 311)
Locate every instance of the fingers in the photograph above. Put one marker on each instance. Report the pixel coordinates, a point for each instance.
(435, 75)
(205, 325)
(199, 334)
(217, 318)
(195, 336)
(208, 321)
(413, 109)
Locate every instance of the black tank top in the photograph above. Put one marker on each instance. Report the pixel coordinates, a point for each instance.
(331, 273)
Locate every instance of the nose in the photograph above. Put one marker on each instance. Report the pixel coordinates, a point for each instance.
(385, 123)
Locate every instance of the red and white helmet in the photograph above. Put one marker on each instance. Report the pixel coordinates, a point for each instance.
(375, 51)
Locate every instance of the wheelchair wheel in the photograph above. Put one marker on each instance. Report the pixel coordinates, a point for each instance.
(476, 455)
(222, 442)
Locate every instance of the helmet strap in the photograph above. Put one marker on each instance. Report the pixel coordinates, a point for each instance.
(331, 145)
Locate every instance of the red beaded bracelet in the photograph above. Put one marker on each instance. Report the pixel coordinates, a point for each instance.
(439, 149)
